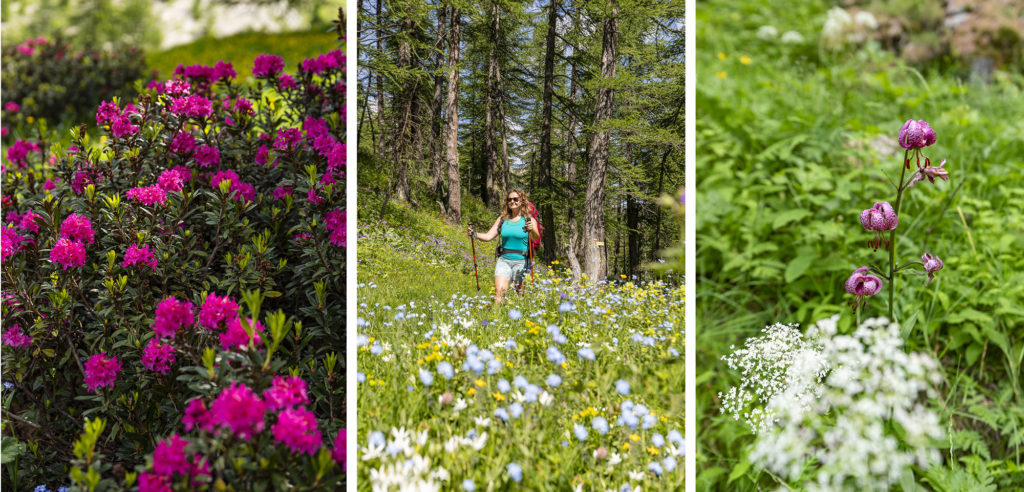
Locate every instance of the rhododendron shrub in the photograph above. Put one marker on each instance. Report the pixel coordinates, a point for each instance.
(159, 280)
(52, 79)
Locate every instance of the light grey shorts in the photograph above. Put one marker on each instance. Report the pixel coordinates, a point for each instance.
(513, 269)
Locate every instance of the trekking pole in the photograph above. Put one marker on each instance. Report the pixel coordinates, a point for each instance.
(472, 242)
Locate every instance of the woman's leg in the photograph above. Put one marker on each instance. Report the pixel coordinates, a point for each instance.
(500, 286)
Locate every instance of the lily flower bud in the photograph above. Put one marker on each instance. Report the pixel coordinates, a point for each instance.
(931, 264)
(916, 134)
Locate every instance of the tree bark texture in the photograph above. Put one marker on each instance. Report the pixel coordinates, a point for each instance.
(452, 151)
(547, 213)
(595, 261)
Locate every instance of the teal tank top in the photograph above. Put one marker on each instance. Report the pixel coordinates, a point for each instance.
(513, 237)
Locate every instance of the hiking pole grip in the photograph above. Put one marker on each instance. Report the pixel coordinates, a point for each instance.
(472, 242)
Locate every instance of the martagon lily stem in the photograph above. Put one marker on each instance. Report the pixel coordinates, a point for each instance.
(892, 235)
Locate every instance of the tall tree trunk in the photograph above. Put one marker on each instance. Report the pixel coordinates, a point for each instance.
(403, 109)
(572, 243)
(436, 150)
(632, 256)
(633, 233)
(547, 213)
(452, 154)
(380, 90)
(657, 220)
(491, 192)
(595, 263)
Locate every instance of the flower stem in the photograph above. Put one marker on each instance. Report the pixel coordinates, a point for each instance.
(892, 235)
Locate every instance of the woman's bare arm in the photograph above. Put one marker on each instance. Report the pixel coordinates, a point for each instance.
(492, 233)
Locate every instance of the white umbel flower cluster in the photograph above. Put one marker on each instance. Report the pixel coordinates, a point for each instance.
(840, 27)
(848, 417)
(780, 361)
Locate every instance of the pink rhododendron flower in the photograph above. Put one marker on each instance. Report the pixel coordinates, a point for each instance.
(261, 155)
(235, 337)
(136, 255)
(312, 197)
(216, 310)
(197, 416)
(170, 180)
(243, 105)
(286, 392)
(194, 106)
(244, 191)
(18, 152)
(288, 139)
(77, 227)
(207, 156)
(12, 107)
(171, 315)
(336, 158)
(30, 221)
(123, 127)
(13, 337)
(315, 128)
(224, 70)
(282, 191)
(80, 181)
(183, 143)
(107, 112)
(221, 176)
(239, 409)
(150, 482)
(149, 195)
(297, 428)
(286, 82)
(340, 454)
(169, 457)
(68, 253)
(334, 221)
(267, 66)
(101, 371)
(49, 185)
(158, 357)
(203, 74)
(10, 242)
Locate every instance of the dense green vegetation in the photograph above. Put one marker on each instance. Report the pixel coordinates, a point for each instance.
(242, 49)
(794, 140)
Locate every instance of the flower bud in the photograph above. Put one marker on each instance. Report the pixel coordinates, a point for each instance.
(931, 264)
(916, 134)
(446, 398)
(601, 453)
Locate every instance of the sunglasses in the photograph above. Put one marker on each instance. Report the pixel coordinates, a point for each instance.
(513, 200)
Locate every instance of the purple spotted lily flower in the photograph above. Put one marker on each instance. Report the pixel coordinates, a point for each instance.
(916, 134)
(931, 264)
(878, 218)
(930, 172)
(863, 285)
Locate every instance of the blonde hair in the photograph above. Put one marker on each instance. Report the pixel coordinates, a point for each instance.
(524, 207)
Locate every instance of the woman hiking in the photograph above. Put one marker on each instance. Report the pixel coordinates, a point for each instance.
(516, 227)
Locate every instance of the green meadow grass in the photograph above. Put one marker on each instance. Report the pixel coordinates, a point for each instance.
(242, 49)
(414, 264)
